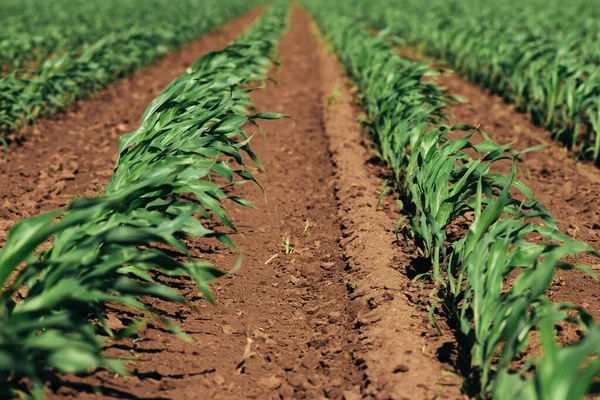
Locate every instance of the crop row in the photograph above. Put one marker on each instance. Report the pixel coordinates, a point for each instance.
(103, 253)
(35, 30)
(83, 68)
(540, 55)
(489, 282)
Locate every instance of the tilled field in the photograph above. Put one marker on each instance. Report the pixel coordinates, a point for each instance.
(324, 305)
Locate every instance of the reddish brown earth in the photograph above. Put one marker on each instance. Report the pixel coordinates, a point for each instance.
(338, 316)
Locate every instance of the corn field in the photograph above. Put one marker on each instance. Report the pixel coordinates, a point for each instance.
(538, 55)
(70, 50)
(454, 196)
(439, 182)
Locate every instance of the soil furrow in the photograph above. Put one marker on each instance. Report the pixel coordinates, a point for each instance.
(404, 356)
(73, 153)
(281, 326)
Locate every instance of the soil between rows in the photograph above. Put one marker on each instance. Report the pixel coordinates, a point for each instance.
(284, 326)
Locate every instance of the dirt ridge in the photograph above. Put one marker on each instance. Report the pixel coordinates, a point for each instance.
(399, 346)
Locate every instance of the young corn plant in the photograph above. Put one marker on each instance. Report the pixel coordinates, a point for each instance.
(497, 321)
(563, 372)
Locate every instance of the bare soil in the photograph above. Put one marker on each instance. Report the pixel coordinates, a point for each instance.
(337, 315)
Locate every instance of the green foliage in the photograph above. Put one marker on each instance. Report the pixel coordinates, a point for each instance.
(35, 30)
(442, 182)
(107, 250)
(541, 55)
(76, 47)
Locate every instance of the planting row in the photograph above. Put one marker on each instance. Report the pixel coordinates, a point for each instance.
(34, 30)
(539, 55)
(490, 281)
(111, 45)
(105, 251)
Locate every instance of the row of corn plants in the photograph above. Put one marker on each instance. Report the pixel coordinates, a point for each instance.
(490, 282)
(540, 55)
(62, 271)
(34, 30)
(121, 48)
